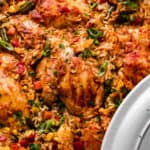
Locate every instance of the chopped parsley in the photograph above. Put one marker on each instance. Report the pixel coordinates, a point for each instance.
(61, 46)
(61, 120)
(86, 53)
(60, 104)
(50, 125)
(34, 146)
(110, 10)
(47, 49)
(107, 87)
(93, 5)
(6, 45)
(18, 116)
(3, 34)
(125, 17)
(117, 102)
(95, 34)
(55, 73)
(26, 7)
(124, 90)
(86, 14)
(103, 69)
(131, 4)
(32, 73)
(98, 118)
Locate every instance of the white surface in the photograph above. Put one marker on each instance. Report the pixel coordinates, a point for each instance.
(129, 128)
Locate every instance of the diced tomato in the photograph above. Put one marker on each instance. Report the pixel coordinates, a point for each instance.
(14, 146)
(76, 61)
(15, 42)
(20, 68)
(11, 31)
(37, 85)
(47, 115)
(78, 145)
(57, 117)
(101, 1)
(3, 138)
(75, 39)
(24, 142)
(137, 21)
(75, 10)
(64, 9)
(31, 137)
(36, 16)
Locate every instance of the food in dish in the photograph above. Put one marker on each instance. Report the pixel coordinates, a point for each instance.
(65, 67)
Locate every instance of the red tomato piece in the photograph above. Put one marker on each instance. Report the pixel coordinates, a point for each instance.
(20, 68)
(15, 42)
(37, 85)
(78, 145)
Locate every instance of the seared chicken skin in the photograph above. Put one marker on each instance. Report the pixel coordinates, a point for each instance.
(11, 97)
(59, 13)
(74, 82)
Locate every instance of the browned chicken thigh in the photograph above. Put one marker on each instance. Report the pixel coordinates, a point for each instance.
(59, 13)
(75, 83)
(11, 97)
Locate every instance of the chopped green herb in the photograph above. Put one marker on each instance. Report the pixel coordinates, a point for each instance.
(96, 42)
(86, 14)
(110, 10)
(35, 146)
(107, 87)
(34, 103)
(93, 5)
(117, 102)
(29, 123)
(76, 32)
(98, 118)
(32, 73)
(94, 33)
(86, 53)
(61, 120)
(3, 34)
(66, 60)
(6, 45)
(14, 138)
(48, 125)
(18, 116)
(31, 102)
(125, 17)
(47, 48)
(55, 73)
(124, 90)
(103, 69)
(131, 4)
(61, 46)
(60, 104)
(92, 103)
(26, 7)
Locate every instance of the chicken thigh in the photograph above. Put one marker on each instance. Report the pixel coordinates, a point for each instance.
(75, 83)
(11, 97)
